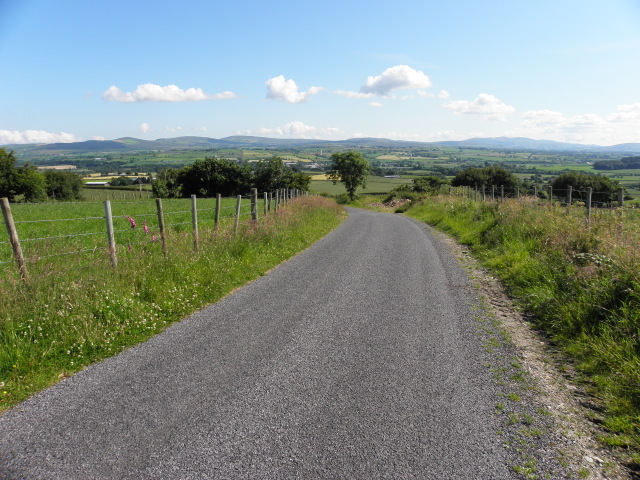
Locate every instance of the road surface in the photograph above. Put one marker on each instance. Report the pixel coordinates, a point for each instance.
(358, 358)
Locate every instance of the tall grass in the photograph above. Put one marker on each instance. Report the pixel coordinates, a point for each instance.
(579, 280)
(81, 310)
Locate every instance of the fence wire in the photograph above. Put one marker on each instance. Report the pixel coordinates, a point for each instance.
(27, 227)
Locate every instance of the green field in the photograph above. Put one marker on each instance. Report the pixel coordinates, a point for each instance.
(58, 230)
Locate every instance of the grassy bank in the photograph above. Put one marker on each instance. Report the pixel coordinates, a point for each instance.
(579, 280)
(77, 312)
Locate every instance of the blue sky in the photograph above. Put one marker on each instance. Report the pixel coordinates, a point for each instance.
(566, 70)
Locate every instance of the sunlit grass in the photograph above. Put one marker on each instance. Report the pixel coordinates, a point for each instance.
(81, 310)
(580, 279)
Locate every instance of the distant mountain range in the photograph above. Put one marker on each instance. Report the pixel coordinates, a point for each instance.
(129, 144)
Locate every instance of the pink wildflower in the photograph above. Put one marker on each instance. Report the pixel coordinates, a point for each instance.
(132, 222)
(153, 237)
(145, 228)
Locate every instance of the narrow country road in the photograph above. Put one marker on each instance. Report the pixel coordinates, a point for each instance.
(358, 358)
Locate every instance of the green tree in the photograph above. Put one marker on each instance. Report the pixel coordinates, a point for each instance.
(272, 174)
(427, 184)
(300, 181)
(63, 185)
(166, 184)
(493, 175)
(31, 184)
(470, 177)
(603, 188)
(350, 168)
(8, 175)
(121, 182)
(211, 176)
(23, 181)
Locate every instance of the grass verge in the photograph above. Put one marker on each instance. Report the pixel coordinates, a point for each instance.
(80, 311)
(579, 280)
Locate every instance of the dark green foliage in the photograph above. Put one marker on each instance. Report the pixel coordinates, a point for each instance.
(622, 164)
(63, 185)
(121, 182)
(427, 184)
(23, 181)
(31, 184)
(487, 176)
(166, 184)
(208, 177)
(350, 168)
(273, 174)
(604, 189)
(212, 176)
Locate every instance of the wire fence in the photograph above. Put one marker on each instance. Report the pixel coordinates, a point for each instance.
(35, 232)
(570, 196)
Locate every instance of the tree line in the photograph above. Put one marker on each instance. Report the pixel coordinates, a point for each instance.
(622, 164)
(211, 176)
(30, 185)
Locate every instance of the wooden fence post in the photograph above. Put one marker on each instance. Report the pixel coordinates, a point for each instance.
(493, 192)
(110, 235)
(569, 194)
(217, 218)
(621, 197)
(265, 198)
(194, 222)
(163, 239)
(237, 220)
(589, 196)
(254, 204)
(502, 193)
(13, 239)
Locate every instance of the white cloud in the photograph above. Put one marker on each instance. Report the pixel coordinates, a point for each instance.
(348, 94)
(444, 95)
(376, 104)
(8, 137)
(490, 107)
(299, 129)
(279, 88)
(150, 92)
(620, 126)
(400, 77)
(145, 128)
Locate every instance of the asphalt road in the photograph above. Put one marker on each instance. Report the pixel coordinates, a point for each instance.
(359, 358)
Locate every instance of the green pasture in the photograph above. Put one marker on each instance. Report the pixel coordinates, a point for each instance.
(55, 230)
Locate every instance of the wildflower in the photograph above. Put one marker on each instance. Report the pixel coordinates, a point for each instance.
(129, 246)
(153, 237)
(145, 228)
(132, 222)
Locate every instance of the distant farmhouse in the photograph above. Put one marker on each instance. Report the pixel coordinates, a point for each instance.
(97, 184)
(58, 167)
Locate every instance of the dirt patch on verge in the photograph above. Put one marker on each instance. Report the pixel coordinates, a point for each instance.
(395, 203)
(568, 404)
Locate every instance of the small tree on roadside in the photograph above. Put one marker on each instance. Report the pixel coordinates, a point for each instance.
(350, 168)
